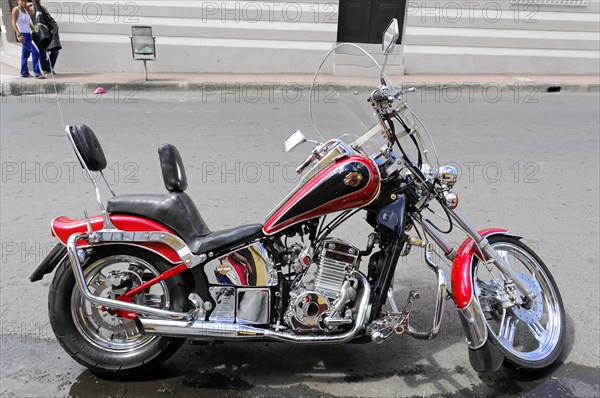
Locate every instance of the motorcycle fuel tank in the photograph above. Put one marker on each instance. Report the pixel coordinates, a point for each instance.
(340, 184)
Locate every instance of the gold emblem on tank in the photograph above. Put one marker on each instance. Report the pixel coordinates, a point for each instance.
(353, 179)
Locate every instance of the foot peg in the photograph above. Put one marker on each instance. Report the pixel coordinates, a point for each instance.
(401, 324)
(397, 322)
(392, 322)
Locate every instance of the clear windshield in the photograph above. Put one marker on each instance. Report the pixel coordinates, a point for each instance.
(342, 111)
(337, 109)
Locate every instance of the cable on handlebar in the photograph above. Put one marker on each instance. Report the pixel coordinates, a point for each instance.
(414, 140)
(404, 155)
(450, 223)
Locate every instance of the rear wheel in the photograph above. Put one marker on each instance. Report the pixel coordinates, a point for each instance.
(106, 343)
(529, 338)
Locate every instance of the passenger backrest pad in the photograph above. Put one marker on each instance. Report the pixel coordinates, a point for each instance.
(172, 168)
(88, 147)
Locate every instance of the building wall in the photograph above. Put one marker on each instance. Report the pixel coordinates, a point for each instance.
(197, 36)
(272, 36)
(501, 37)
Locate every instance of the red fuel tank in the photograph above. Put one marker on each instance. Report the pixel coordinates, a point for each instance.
(346, 183)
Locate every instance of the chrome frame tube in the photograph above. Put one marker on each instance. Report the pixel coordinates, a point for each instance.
(392, 301)
(490, 253)
(110, 188)
(440, 298)
(471, 317)
(121, 305)
(170, 240)
(236, 331)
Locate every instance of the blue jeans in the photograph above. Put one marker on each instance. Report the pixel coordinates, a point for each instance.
(47, 63)
(29, 48)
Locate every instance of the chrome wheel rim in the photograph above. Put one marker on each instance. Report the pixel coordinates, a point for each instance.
(111, 332)
(530, 334)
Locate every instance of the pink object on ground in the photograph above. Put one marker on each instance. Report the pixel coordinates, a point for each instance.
(100, 90)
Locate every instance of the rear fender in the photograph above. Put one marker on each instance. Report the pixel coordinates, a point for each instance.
(64, 227)
(55, 257)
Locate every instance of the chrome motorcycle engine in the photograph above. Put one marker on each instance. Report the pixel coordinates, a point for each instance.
(319, 297)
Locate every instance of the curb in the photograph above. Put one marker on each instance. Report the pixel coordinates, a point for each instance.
(18, 88)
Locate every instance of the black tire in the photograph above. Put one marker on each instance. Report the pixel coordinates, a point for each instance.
(524, 325)
(69, 321)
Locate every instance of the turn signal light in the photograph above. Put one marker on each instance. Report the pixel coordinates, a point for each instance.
(451, 199)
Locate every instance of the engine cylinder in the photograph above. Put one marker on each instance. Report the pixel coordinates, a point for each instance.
(318, 302)
(337, 260)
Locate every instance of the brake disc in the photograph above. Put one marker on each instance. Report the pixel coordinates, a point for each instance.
(533, 314)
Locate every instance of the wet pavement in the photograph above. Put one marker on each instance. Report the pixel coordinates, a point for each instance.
(38, 367)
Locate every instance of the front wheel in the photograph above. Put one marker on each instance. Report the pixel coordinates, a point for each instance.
(529, 338)
(106, 343)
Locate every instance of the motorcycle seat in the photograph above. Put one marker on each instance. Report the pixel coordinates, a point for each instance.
(177, 211)
(224, 240)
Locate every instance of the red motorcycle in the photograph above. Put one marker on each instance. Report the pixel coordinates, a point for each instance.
(135, 281)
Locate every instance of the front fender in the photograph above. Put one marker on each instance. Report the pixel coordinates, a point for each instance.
(462, 272)
(482, 355)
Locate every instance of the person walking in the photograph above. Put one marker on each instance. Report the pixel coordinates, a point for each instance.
(21, 22)
(47, 38)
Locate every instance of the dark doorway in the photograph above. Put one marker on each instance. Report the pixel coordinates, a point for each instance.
(363, 21)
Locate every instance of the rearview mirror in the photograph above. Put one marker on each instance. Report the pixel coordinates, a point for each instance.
(390, 37)
(294, 140)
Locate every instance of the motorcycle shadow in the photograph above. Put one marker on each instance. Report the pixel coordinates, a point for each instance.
(277, 369)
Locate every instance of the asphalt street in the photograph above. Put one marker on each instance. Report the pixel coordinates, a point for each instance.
(528, 162)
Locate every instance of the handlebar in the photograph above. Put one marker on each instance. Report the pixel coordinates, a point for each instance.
(380, 94)
(304, 164)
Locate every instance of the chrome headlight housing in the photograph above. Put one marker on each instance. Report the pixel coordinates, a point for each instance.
(448, 175)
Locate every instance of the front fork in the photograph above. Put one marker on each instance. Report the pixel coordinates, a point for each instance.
(491, 255)
(483, 355)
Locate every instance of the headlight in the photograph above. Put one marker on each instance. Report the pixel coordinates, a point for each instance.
(448, 175)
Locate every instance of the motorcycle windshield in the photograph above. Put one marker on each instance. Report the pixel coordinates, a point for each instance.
(343, 111)
(338, 110)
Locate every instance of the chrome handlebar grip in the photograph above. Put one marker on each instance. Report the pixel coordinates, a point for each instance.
(409, 90)
(308, 161)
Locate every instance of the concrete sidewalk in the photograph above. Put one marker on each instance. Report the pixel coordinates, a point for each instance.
(12, 84)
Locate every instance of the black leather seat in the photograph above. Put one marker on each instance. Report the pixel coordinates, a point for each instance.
(218, 240)
(177, 211)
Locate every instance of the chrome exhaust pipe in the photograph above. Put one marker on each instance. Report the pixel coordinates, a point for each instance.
(236, 331)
